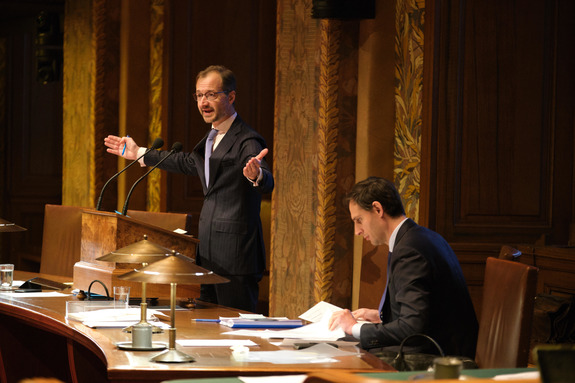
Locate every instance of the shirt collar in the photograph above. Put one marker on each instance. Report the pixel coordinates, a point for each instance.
(394, 234)
(225, 126)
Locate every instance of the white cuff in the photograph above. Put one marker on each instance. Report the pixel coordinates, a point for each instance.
(356, 329)
(258, 180)
(141, 152)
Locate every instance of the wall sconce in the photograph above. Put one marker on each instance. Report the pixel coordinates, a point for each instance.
(48, 44)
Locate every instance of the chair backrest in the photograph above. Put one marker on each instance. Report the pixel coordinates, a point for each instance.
(61, 240)
(506, 314)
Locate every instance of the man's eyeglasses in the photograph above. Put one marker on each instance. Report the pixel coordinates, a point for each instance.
(210, 96)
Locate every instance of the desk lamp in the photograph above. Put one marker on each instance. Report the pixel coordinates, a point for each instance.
(174, 269)
(7, 226)
(144, 252)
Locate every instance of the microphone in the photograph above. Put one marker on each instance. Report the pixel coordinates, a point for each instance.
(158, 143)
(176, 147)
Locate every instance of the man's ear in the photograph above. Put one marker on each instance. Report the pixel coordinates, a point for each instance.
(377, 208)
(232, 96)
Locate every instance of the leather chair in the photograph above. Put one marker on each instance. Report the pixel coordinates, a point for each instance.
(506, 314)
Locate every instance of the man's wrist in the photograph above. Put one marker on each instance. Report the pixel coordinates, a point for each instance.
(257, 180)
(140, 153)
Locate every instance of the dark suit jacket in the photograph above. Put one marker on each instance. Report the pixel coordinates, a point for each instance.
(230, 230)
(427, 293)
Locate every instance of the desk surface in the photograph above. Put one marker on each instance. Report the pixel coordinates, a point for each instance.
(49, 314)
(472, 376)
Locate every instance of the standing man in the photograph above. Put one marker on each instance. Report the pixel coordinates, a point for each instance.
(233, 180)
(426, 291)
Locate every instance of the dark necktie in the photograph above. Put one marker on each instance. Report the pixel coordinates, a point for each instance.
(386, 282)
(209, 146)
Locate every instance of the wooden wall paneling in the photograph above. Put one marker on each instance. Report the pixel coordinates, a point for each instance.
(78, 109)
(134, 94)
(156, 193)
(375, 136)
(30, 129)
(499, 176)
(106, 42)
(556, 268)
(314, 146)
(336, 161)
(293, 200)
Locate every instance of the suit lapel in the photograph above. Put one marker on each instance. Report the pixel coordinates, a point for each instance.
(223, 147)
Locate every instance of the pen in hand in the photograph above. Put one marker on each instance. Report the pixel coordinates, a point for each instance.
(125, 144)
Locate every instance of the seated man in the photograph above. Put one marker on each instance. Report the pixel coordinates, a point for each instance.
(426, 291)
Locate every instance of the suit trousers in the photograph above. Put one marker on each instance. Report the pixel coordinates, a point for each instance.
(241, 292)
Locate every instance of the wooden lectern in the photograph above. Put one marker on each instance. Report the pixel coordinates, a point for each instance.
(104, 232)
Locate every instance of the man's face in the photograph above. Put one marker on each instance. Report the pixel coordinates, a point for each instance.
(369, 223)
(216, 111)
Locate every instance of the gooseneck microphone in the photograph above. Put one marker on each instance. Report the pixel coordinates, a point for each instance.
(176, 147)
(158, 143)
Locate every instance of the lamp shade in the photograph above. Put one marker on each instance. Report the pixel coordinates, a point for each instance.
(175, 268)
(142, 251)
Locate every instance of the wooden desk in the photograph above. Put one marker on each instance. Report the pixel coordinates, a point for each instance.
(35, 333)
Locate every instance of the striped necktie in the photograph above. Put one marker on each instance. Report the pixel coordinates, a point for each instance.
(209, 146)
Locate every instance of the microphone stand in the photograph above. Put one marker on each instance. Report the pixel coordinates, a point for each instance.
(175, 148)
(158, 143)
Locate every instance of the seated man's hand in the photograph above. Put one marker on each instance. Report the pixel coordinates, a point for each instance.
(343, 319)
(369, 315)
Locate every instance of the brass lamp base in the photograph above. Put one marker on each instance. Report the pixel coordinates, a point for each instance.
(171, 355)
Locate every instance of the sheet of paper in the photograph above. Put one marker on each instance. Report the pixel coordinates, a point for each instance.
(47, 294)
(252, 316)
(114, 315)
(288, 342)
(274, 378)
(320, 353)
(520, 375)
(121, 324)
(318, 312)
(215, 342)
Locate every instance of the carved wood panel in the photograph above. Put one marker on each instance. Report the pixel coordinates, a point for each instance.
(502, 150)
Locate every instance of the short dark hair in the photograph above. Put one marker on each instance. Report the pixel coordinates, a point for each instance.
(228, 77)
(372, 189)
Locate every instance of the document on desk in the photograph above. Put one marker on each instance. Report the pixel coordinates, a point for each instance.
(320, 353)
(317, 331)
(43, 294)
(216, 342)
(300, 378)
(113, 317)
(318, 312)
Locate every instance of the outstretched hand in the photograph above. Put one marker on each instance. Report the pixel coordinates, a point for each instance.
(252, 168)
(116, 145)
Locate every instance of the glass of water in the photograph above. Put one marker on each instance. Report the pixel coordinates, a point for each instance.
(6, 276)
